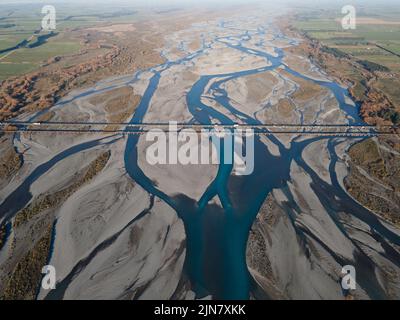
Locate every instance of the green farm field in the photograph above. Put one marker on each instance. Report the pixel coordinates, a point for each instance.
(23, 23)
(374, 43)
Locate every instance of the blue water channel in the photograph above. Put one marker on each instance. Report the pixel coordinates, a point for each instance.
(216, 237)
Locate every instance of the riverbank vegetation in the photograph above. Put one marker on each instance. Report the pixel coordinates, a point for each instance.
(359, 59)
(85, 49)
(365, 58)
(53, 200)
(26, 275)
(10, 160)
(24, 46)
(374, 178)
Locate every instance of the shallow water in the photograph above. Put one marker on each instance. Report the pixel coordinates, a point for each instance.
(217, 237)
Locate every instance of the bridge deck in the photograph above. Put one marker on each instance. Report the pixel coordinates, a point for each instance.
(142, 128)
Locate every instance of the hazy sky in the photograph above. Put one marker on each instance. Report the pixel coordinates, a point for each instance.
(316, 3)
(141, 2)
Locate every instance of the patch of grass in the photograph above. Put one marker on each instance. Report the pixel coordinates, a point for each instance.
(321, 35)
(25, 278)
(365, 45)
(393, 46)
(285, 107)
(72, 24)
(359, 91)
(381, 35)
(10, 162)
(334, 51)
(25, 60)
(8, 70)
(43, 53)
(6, 25)
(365, 153)
(372, 66)
(358, 42)
(391, 88)
(318, 25)
(11, 40)
(48, 201)
(381, 165)
(24, 21)
(360, 50)
(390, 61)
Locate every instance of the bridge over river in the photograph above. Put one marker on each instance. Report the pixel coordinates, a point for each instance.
(338, 130)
